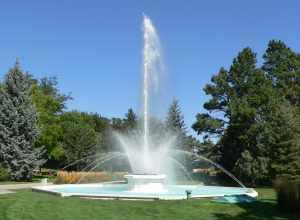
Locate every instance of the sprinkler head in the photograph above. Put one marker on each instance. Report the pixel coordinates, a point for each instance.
(188, 194)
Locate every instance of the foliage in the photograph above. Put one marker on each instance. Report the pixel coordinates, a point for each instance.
(253, 114)
(49, 103)
(251, 125)
(4, 175)
(176, 125)
(288, 193)
(283, 136)
(283, 66)
(175, 121)
(237, 95)
(79, 137)
(126, 124)
(130, 119)
(284, 141)
(18, 126)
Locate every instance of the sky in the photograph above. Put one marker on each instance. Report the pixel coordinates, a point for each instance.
(94, 47)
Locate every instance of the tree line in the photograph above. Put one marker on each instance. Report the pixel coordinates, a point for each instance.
(36, 130)
(251, 127)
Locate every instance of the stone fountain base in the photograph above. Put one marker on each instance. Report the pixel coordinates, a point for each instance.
(146, 183)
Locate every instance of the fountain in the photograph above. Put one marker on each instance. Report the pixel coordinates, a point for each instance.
(146, 160)
(151, 159)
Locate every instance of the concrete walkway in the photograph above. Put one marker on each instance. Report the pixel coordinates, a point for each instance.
(7, 188)
(4, 191)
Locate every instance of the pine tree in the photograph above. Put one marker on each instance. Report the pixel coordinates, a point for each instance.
(284, 139)
(175, 121)
(176, 125)
(131, 119)
(18, 127)
(241, 97)
(283, 66)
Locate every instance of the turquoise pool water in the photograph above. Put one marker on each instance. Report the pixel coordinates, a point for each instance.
(170, 192)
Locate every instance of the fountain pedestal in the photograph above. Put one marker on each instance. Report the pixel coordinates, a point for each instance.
(146, 182)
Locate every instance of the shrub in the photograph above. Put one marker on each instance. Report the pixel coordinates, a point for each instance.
(4, 175)
(288, 193)
(64, 177)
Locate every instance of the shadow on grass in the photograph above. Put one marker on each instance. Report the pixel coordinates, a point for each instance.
(259, 210)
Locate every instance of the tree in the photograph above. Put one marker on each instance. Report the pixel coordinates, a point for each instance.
(130, 119)
(79, 137)
(126, 124)
(249, 168)
(100, 123)
(18, 126)
(175, 123)
(118, 124)
(79, 141)
(175, 120)
(254, 113)
(284, 139)
(49, 103)
(241, 98)
(283, 66)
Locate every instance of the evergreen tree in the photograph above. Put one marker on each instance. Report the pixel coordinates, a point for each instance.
(175, 120)
(175, 123)
(284, 140)
(241, 97)
(126, 124)
(18, 126)
(283, 66)
(131, 119)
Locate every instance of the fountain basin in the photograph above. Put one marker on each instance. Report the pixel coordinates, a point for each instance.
(120, 191)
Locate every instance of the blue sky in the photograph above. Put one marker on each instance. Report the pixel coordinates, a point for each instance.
(94, 47)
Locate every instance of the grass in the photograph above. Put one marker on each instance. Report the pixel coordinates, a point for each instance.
(28, 205)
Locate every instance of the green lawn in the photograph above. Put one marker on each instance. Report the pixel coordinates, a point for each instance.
(25, 205)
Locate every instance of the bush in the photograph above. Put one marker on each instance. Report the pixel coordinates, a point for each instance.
(4, 175)
(288, 193)
(64, 177)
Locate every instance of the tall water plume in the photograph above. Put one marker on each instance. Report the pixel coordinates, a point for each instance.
(152, 66)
